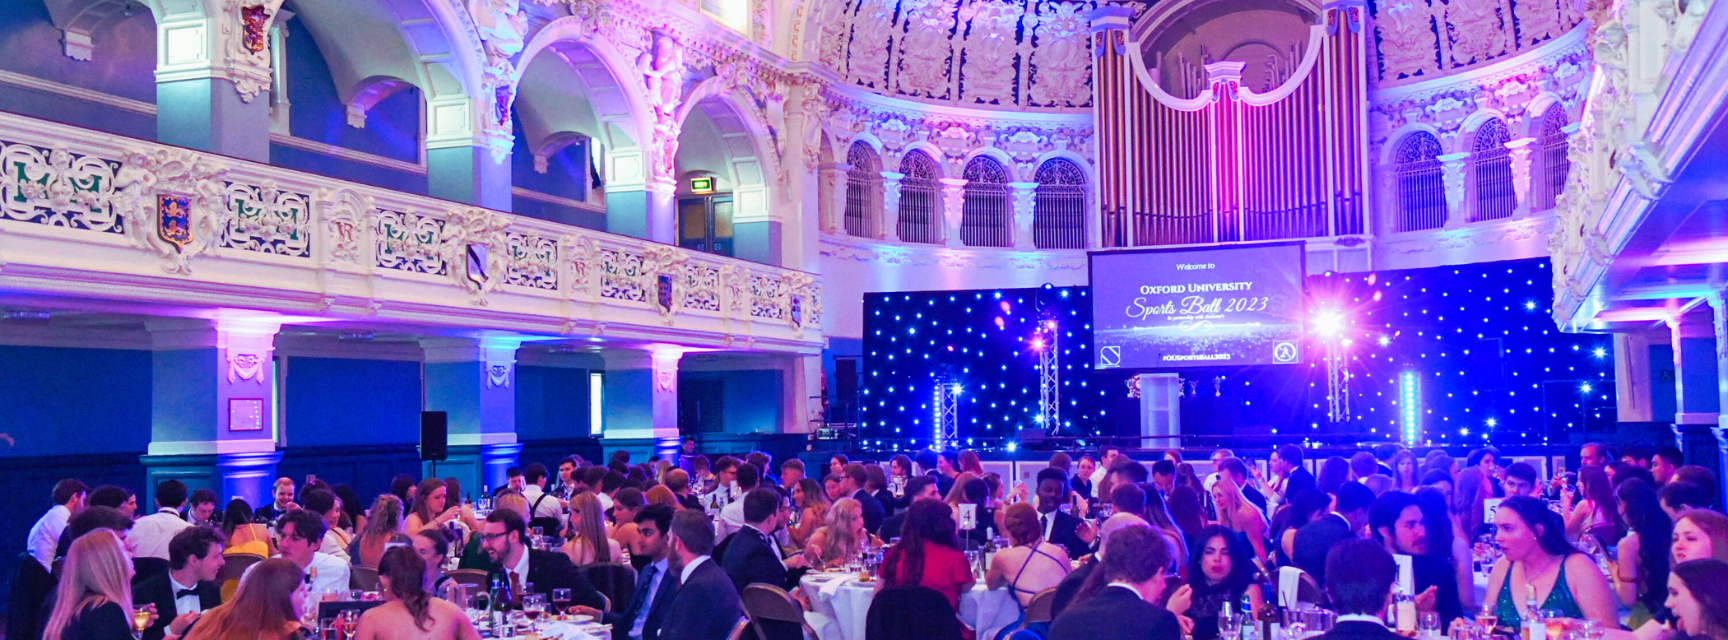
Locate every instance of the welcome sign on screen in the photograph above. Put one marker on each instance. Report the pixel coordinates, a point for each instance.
(1167, 309)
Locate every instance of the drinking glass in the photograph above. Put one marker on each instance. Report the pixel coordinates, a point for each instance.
(1296, 623)
(534, 605)
(348, 621)
(561, 599)
(1486, 620)
(140, 619)
(1428, 624)
(1229, 627)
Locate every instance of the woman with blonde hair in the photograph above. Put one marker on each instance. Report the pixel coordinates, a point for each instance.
(267, 606)
(512, 500)
(94, 598)
(842, 539)
(589, 543)
(1241, 516)
(813, 504)
(383, 526)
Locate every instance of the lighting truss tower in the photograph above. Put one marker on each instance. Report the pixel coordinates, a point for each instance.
(945, 414)
(1049, 377)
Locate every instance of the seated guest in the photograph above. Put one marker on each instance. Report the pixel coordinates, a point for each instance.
(1067, 531)
(1158, 515)
(302, 534)
(408, 612)
(678, 482)
(244, 535)
(201, 507)
(120, 498)
(1520, 480)
(1640, 578)
(842, 539)
(267, 606)
(1031, 565)
(976, 492)
(1240, 515)
(929, 553)
(1698, 596)
(504, 539)
(151, 533)
(1359, 576)
(1118, 598)
(94, 598)
(1699, 534)
(853, 484)
(655, 584)
(705, 606)
(189, 588)
(1315, 539)
(917, 488)
(383, 527)
(283, 500)
(588, 542)
(433, 547)
(1187, 509)
(663, 496)
(1537, 555)
(732, 515)
(1398, 523)
(625, 505)
(813, 505)
(324, 503)
(1679, 497)
(1305, 506)
(876, 482)
(353, 510)
(1221, 572)
(752, 556)
(434, 510)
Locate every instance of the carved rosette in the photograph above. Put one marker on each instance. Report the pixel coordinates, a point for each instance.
(170, 200)
(477, 250)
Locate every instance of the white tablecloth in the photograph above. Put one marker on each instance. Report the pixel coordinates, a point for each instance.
(840, 609)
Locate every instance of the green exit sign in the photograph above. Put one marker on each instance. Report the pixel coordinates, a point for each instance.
(702, 185)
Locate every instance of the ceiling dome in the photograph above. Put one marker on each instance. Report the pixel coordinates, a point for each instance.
(993, 54)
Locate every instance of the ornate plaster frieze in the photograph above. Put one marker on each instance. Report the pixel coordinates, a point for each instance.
(1417, 40)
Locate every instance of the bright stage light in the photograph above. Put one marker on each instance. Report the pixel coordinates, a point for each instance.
(1328, 323)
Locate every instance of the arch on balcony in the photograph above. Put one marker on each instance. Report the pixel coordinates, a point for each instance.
(920, 216)
(1059, 205)
(1421, 186)
(1553, 146)
(1492, 169)
(863, 189)
(985, 214)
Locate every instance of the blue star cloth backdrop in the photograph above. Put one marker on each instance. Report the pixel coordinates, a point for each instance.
(1477, 341)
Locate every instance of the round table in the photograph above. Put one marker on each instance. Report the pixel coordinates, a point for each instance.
(841, 604)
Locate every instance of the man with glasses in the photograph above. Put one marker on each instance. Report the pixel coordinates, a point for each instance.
(504, 540)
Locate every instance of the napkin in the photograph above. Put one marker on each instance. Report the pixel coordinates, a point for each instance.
(572, 631)
(1289, 581)
(832, 588)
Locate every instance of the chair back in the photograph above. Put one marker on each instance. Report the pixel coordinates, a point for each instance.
(1308, 591)
(766, 604)
(30, 585)
(911, 613)
(234, 565)
(472, 580)
(363, 578)
(738, 630)
(615, 581)
(147, 568)
(1039, 610)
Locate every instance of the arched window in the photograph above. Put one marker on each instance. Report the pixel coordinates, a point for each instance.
(863, 190)
(1421, 190)
(984, 214)
(919, 193)
(1555, 164)
(1059, 206)
(1495, 197)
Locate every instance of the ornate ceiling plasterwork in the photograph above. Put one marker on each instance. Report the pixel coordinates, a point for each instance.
(1425, 39)
(953, 137)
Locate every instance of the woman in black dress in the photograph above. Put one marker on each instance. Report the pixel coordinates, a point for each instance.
(94, 598)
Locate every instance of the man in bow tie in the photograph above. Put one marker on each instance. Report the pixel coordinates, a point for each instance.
(189, 587)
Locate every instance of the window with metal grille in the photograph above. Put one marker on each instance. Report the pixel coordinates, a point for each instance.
(1421, 190)
(984, 213)
(1555, 164)
(1495, 197)
(1059, 206)
(920, 191)
(863, 190)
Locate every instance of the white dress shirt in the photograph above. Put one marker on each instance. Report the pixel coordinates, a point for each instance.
(1098, 480)
(188, 603)
(684, 576)
(660, 569)
(151, 533)
(548, 508)
(606, 502)
(332, 573)
(730, 521)
(521, 573)
(45, 535)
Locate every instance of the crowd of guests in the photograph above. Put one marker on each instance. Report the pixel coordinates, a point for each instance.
(1130, 548)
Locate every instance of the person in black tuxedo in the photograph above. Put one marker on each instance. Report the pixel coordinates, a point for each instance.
(1359, 578)
(1287, 463)
(645, 614)
(1315, 539)
(1237, 471)
(189, 587)
(1116, 602)
(1072, 533)
(937, 467)
(503, 537)
(853, 479)
(752, 556)
(917, 487)
(1396, 520)
(706, 606)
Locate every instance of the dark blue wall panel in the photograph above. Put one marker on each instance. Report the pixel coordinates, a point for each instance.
(551, 403)
(123, 65)
(334, 402)
(318, 112)
(62, 402)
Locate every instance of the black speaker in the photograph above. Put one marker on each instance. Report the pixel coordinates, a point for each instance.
(434, 435)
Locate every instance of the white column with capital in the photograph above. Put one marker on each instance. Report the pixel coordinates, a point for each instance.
(1522, 151)
(953, 210)
(1452, 166)
(662, 213)
(890, 228)
(833, 210)
(1023, 195)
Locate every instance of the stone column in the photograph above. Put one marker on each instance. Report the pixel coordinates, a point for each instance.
(473, 381)
(953, 210)
(833, 211)
(1719, 336)
(467, 156)
(1024, 197)
(1452, 166)
(640, 410)
(1697, 405)
(213, 408)
(802, 405)
(890, 228)
(1522, 149)
(661, 211)
(213, 77)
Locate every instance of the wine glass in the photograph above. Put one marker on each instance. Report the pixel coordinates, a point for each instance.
(1229, 627)
(140, 619)
(561, 599)
(348, 621)
(533, 605)
(1428, 624)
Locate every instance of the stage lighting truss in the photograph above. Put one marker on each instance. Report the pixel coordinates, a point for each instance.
(1049, 377)
(945, 416)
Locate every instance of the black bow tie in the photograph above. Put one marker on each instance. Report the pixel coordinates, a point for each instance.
(185, 592)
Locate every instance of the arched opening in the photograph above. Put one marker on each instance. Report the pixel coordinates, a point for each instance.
(571, 118)
(984, 212)
(1059, 206)
(89, 63)
(1421, 188)
(733, 213)
(863, 189)
(1555, 164)
(918, 217)
(1495, 197)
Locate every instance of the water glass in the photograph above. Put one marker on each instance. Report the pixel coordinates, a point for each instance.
(1229, 627)
(1428, 624)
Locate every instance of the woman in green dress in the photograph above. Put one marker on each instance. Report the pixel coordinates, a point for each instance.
(1538, 563)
